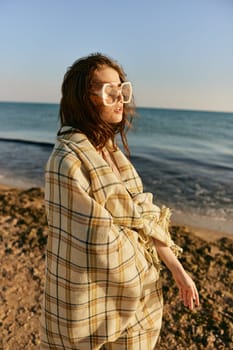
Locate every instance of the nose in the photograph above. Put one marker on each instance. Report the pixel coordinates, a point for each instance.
(120, 97)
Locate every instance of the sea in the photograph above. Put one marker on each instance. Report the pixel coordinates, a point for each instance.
(185, 157)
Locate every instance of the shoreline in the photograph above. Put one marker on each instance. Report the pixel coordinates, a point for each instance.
(207, 235)
(209, 230)
(187, 222)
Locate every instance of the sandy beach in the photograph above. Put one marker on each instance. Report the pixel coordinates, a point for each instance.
(207, 256)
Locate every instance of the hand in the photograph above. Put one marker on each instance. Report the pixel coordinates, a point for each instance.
(187, 289)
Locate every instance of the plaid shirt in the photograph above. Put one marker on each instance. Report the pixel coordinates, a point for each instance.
(101, 262)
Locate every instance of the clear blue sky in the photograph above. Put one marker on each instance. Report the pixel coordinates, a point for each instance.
(177, 53)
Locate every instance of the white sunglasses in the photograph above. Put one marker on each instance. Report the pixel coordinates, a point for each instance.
(110, 93)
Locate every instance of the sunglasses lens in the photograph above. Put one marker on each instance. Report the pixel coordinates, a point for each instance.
(126, 92)
(111, 93)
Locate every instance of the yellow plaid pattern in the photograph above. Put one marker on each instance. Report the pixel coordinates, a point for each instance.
(101, 281)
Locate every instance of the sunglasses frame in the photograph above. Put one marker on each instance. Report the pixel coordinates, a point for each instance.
(103, 94)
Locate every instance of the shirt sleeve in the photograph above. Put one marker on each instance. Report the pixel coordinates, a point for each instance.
(95, 269)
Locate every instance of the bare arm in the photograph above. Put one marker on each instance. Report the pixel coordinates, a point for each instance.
(187, 289)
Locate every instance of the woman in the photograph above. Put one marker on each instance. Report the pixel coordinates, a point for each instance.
(106, 237)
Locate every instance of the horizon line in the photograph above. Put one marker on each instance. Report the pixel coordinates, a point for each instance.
(152, 107)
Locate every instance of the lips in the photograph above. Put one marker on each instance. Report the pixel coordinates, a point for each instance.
(118, 110)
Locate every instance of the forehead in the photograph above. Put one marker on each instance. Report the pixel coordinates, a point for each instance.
(106, 74)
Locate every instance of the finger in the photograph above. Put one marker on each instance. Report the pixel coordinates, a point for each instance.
(190, 299)
(181, 294)
(186, 299)
(191, 306)
(195, 295)
(196, 298)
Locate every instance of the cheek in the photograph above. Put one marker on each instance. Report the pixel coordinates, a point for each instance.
(105, 112)
(97, 102)
(98, 106)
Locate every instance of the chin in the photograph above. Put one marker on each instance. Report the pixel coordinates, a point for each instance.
(117, 119)
(113, 119)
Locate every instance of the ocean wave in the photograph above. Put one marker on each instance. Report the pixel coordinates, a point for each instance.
(30, 142)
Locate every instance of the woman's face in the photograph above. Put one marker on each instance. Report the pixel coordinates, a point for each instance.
(113, 113)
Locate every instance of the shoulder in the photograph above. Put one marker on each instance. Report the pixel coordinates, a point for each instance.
(62, 157)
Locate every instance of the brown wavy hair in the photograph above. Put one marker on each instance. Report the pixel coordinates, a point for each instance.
(78, 111)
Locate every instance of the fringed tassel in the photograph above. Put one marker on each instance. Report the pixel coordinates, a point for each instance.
(164, 219)
(150, 250)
